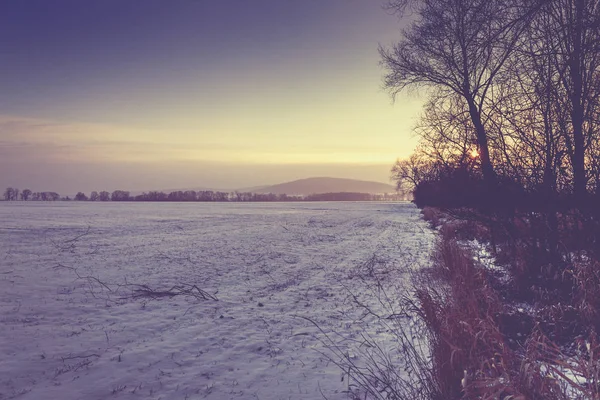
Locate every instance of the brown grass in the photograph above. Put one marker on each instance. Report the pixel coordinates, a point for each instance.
(524, 331)
(471, 323)
(470, 355)
(433, 216)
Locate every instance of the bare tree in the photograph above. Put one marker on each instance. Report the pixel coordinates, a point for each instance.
(25, 194)
(104, 196)
(120, 195)
(574, 30)
(524, 115)
(460, 47)
(9, 193)
(80, 196)
(190, 195)
(52, 196)
(446, 134)
(410, 172)
(176, 196)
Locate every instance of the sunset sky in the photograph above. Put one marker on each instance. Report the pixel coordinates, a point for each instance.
(157, 94)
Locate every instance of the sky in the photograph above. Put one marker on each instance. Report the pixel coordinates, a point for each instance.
(141, 95)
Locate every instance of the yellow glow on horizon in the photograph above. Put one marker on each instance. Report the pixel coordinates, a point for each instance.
(360, 128)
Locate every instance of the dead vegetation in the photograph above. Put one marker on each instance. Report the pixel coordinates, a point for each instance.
(115, 292)
(528, 334)
(120, 291)
(182, 289)
(472, 330)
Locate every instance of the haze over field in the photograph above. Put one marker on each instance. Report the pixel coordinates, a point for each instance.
(196, 93)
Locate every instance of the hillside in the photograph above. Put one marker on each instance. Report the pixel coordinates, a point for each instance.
(326, 185)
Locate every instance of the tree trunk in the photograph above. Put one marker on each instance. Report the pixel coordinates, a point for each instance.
(578, 157)
(489, 175)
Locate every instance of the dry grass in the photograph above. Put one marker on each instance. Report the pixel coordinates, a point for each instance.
(470, 355)
(462, 335)
(433, 216)
(116, 292)
(471, 322)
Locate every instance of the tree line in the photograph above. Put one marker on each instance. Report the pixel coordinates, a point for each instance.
(509, 155)
(513, 97)
(13, 194)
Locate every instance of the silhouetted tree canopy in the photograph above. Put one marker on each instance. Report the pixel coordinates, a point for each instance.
(514, 94)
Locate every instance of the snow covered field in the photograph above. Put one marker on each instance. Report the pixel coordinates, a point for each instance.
(268, 265)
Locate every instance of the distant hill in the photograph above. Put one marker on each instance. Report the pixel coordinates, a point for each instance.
(326, 185)
(253, 189)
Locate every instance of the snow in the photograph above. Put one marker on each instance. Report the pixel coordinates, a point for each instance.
(275, 269)
(485, 258)
(569, 376)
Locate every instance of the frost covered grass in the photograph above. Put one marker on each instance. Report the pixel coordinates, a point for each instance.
(266, 285)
